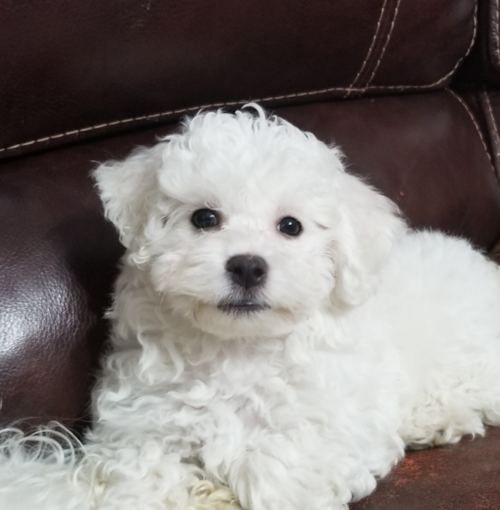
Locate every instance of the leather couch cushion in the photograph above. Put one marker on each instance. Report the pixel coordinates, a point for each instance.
(72, 70)
(455, 477)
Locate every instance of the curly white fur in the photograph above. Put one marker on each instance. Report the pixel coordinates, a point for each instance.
(372, 337)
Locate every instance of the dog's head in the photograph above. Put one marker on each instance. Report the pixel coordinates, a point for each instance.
(248, 224)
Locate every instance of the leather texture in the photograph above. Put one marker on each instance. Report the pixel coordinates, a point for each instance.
(57, 262)
(463, 476)
(72, 70)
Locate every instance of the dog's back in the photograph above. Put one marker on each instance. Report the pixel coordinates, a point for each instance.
(440, 300)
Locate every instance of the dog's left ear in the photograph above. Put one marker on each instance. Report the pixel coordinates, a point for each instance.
(370, 224)
(127, 188)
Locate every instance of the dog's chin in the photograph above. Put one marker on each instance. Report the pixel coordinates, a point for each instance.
(228, 320)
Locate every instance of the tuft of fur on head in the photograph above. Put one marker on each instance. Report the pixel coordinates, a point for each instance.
(252, 170)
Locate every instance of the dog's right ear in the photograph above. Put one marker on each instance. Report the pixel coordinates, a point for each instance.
(371, 225)
(127, 188)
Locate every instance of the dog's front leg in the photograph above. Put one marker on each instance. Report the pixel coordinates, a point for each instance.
(140, 472)
(286, 477)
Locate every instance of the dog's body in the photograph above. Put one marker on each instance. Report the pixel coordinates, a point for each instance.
(277, 331)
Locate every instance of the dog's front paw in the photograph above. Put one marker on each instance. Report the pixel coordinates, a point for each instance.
(204, 496)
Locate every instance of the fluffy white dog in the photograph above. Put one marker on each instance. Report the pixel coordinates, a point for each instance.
(279, 334)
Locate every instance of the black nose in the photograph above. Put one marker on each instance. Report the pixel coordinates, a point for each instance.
(247, 270)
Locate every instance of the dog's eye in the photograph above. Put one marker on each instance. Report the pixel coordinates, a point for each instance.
(205, 218)
(290, 226)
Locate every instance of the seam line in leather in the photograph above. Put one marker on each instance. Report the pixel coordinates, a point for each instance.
(496, 143)
(372, 45)
(388, 38)
(476, 125)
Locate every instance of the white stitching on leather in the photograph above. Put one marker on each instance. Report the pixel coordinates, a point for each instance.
(493, 122)
(396, 10)
(156, 116)
(471, 115)
(469, 49)
(372, 45)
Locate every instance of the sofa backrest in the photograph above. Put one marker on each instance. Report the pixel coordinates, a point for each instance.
(73, 70)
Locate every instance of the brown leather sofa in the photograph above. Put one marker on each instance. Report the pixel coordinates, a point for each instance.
(408, 88)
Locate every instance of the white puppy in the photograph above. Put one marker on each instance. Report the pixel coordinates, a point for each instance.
(279, 334)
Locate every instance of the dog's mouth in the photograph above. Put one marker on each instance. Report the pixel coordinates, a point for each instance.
(242, 307)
